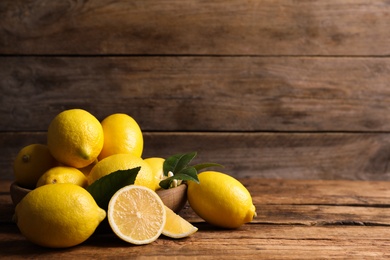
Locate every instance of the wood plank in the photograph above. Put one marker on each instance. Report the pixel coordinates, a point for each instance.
(250, 241)
(311, 215)
(266, 237)
(277, 27)
(323, 215)
(353, 156)
(320, 192)
(200, 93)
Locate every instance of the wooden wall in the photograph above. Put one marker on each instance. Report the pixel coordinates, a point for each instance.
(268, 88)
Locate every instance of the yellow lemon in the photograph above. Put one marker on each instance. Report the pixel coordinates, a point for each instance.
(122, 134)
(75, 138)
(123, 161)
(31, 162)
(58, 216)
(221, 200)
(176, 226)
(156, 164)
(136, 214)
(63, 174)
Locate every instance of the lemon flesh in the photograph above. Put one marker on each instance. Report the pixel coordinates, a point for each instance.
(136, 214)
(176, 226)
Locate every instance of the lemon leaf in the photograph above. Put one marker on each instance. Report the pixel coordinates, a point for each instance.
(178, 165)
(104, 188)
(201, 166)
(188, 174)
(177, 162)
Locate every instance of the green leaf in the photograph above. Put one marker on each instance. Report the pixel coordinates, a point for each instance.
(189, 174)
(179, 165)
(177, 162)
(165, 184)
(104, 188)
(202, 166)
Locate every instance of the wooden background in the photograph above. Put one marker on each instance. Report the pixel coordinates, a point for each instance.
(269, 88)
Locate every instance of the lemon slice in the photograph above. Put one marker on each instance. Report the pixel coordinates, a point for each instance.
(136, 214)
(176, 226)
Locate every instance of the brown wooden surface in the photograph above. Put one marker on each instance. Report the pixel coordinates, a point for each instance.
(276, 89)
(257, 155)
(272, 27)
(201, 93)
(322, 118)
(297, 219)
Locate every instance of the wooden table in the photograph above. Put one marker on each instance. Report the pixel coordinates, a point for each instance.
(297, 219)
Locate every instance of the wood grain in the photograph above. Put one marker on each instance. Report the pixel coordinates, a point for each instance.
(353, 156)
(252, 241)
(200, 93)
(276, 89)
(320, 192)
(297, 226)
(277, 27)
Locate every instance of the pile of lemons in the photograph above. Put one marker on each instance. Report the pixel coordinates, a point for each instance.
(79, 151)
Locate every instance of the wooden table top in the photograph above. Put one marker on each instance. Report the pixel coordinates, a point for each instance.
(297, 219)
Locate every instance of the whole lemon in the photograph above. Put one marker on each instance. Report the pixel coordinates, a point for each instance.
(31, 163)
(156, 164)
(123, 161)
(221, 200)
(122, 134)
(75, 138)
(63, 174)
(58, 215)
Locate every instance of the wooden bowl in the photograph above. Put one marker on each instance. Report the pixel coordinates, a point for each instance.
(174, 198)
(17, 193)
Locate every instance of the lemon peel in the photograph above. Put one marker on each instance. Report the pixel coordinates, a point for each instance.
(58, 215)
(221, 200)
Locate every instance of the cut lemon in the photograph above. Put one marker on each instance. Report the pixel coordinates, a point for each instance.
(136, 214)
(176, 226)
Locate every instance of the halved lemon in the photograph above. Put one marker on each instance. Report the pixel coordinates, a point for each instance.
(176, 226)
(136, 214)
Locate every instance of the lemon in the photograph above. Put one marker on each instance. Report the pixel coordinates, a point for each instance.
(75, 138)
(58, 216)
(221, 200)
(136, 214)
(123, 161)
(31, 162)
(176, 226)
(122, 134)
(63, 174)
(156, 164)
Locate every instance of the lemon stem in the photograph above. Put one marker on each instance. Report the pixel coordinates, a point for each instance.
(26, 158)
